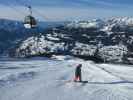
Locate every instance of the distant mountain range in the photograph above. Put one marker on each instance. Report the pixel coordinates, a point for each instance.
(108, 40)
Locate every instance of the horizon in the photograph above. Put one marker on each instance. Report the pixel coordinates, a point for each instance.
(74, 9)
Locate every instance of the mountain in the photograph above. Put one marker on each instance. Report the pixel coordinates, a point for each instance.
(13, 32)
(106, 25)
(99, 40)
(95, 23)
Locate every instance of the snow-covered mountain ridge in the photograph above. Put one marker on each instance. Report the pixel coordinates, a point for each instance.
(76, 38)
(12, 32)
(103, 24)
(105, 41)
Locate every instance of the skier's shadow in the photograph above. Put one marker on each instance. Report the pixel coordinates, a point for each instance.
(117, 82)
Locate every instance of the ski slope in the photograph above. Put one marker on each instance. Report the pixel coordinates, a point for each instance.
(45, 79)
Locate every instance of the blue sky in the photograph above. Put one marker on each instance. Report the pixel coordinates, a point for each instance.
(54, 10)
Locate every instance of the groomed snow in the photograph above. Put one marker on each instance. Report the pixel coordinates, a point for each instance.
(45, 79)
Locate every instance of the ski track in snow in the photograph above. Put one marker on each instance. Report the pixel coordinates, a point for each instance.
(52, 80)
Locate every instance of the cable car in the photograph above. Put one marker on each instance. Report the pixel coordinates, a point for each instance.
(30, 21)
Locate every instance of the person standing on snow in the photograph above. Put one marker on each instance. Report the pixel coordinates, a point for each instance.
(78, 76)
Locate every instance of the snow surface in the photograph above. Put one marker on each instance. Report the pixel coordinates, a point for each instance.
(45, 79)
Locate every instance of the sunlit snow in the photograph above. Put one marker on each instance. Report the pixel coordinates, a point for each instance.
(45, 79)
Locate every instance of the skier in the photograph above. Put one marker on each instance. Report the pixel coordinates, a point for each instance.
(78, 77)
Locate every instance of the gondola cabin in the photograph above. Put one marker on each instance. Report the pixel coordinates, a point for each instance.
(30, 22)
